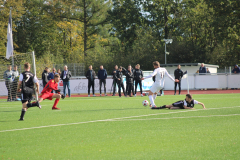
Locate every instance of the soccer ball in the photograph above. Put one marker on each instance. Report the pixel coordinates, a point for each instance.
(145, 103)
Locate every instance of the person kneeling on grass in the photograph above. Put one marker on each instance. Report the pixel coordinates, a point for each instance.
(46, 92)
(188, 103)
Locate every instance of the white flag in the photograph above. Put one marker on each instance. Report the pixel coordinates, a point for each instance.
(185, 74)
(9, 51)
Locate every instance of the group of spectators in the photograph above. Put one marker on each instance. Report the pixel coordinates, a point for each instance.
(11, 81)
(132, 75)
(118, 72)
(65, 76)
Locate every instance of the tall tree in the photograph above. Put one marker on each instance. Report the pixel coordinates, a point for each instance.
(92, 13)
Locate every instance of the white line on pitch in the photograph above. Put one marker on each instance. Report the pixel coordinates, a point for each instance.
(113, 119)
(227, 115)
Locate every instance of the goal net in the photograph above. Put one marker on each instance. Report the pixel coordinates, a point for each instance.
(10, 70)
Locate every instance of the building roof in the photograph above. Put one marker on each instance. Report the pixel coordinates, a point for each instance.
(188, 64)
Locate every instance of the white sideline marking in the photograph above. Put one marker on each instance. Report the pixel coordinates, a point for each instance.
(122, 118)
(226, 115)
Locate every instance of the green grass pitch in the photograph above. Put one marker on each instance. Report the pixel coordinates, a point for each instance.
(121, 128)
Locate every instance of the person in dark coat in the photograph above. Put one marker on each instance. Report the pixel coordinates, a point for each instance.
(236, 69)
(138, 74)
(129, 79)
(119, 78)
(45, 76)
(178, 74)
(65, 76)
(90, 75)
(102, 76)
(202, 69)
(114, 72)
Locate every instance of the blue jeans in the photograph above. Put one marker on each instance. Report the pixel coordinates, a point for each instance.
(68, 87)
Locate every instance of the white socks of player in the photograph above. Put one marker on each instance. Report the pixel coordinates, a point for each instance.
(151, 100)
(154, 96)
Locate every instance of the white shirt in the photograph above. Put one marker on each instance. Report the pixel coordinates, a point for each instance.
(35, 80)
(159, 74)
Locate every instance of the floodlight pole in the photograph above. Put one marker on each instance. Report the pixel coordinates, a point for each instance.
(165, 53)
(166, 42)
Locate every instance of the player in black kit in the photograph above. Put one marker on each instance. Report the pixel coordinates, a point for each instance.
(188, 103)
(26, 86)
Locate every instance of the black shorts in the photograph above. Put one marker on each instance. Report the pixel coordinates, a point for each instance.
(26, 97)
(179, 104)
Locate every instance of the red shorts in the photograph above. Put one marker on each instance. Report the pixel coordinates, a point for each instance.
(47, 95)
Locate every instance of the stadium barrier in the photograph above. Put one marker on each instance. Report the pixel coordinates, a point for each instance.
(79, 85)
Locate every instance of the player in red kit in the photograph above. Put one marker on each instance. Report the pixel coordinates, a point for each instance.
(46, 92)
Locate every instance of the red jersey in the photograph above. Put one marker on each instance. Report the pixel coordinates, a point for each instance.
(51, 85)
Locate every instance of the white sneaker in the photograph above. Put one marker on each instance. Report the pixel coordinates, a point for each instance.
(135, 95)
(94, 95)
(88, 95)
(100, 95)
(141, 95)
(105, 94)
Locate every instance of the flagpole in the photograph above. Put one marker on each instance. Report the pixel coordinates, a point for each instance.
(12, 38)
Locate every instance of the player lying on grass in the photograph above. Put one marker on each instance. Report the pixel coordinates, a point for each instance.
(188, 103)
(46, 92)
(26, 86)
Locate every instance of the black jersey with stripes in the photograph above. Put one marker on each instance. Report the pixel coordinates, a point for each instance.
(181, 103)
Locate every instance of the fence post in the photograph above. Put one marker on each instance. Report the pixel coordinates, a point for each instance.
(74, 69)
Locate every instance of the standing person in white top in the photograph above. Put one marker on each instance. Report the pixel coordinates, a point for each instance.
(159, 74)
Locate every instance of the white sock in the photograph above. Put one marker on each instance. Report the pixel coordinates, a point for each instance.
(154, 96)
(151, 100)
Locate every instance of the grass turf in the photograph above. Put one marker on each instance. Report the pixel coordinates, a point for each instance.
(121, 128)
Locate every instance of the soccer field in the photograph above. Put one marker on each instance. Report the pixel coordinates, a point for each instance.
(121, 128)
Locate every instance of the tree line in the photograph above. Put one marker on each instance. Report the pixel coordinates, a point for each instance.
(124, 32)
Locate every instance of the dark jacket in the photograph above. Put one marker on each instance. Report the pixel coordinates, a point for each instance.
(237, 69)
(119, 75)
(51, 76)
(129, 77)
(202, 70)
(88, 75)
(45, 77)
(102, 74)
(138, 74)
(178, 74)
(114, 74)
(68, 76)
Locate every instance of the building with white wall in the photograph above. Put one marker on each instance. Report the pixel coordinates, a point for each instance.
(190, 67)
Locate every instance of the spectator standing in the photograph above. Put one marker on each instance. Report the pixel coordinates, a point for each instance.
(114, 72)
(236, 69)
(15, 83)
(90, 75)
(208, 71)
(51, 75)
(129, 77)
(7, 76)
(102, 76)
(45, 76)
(65, 76)
(59, 72)
(202, 69)
(178, 74)
(119, 78)
(138, 74)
